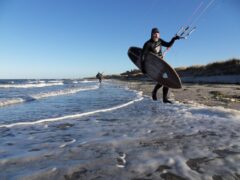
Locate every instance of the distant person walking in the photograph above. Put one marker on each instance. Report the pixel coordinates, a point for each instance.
(99, 76)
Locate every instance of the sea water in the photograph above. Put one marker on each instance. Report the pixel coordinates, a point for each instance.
(52, 128)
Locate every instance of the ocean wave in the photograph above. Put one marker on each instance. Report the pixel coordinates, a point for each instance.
(72, 116)
(6, 102)
(35, 81)
(67, 143)
(63, 92)
(31, 85)
(11, 101)
(88, 81)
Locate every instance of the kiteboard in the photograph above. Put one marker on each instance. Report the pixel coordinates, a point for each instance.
(156, 68)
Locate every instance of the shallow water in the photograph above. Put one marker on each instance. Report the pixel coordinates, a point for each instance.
(80, 135)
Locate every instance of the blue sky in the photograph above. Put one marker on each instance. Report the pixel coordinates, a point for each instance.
(78, 38)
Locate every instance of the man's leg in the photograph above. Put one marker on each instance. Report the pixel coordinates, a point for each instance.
(154, 92)
(165, 93)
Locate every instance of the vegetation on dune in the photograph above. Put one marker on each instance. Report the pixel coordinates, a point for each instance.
(229, 67)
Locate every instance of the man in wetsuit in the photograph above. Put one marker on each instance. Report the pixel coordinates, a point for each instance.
(154, 45)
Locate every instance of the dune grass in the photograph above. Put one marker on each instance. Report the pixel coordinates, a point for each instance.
(229, 67)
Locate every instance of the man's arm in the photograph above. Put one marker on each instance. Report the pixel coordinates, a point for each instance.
(169, 44)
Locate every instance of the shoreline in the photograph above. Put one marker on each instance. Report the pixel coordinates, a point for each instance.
(223, 95)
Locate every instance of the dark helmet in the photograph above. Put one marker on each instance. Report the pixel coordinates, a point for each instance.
(154, 30)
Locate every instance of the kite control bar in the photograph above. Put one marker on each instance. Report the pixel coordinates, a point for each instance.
(184, 32)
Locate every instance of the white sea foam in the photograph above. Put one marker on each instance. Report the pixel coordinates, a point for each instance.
(35, 81)
(88, 81)
(6, 102)
(11, 101)
(72, 116)
(55, 81)
(63, 92)
(31, 85)
(67, 143)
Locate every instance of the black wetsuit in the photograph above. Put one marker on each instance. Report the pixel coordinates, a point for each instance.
(156, 48)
